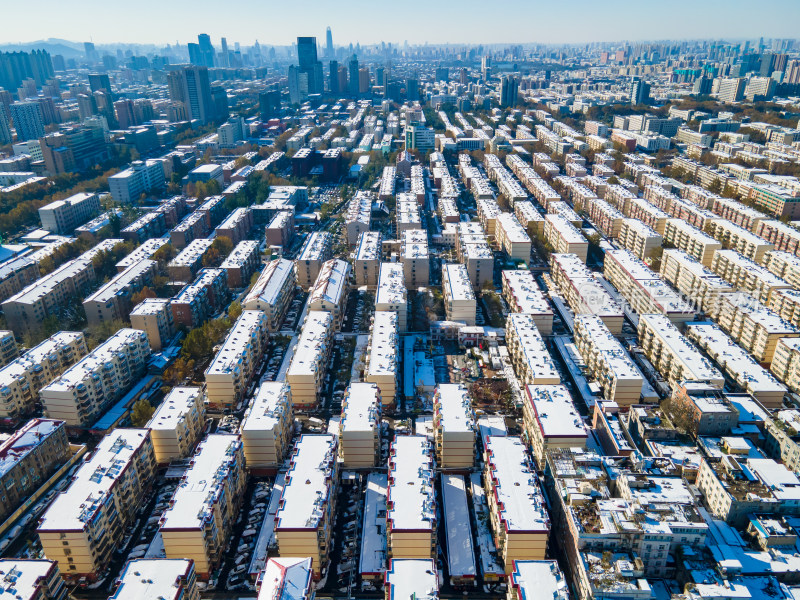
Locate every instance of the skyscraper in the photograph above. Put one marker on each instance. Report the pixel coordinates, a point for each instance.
(226, 62)
(640, 91)
(206, 49)
(28, 121)
(352, 68)
(508, 90)
(333, 77)
(15, 67)
(100, 82)
(189, 85)
(329, 43)
(309, 64)
(5, 129)
(412, 90)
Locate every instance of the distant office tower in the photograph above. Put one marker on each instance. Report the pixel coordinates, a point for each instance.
(508, 90)
(189, 85)
(15, 67)
(333, 76)
(100, 82)
(731, 89)
(206, 50)
(442, 73)
(464, 77)
(123, 109)
(329, 43)
(86, 106)
(195, 55)
(702, 85)
(412, 90)
(28, 121)
(226, 62)
(269, 101)
(91, 52)
(640, 91)
(5, 128)
(309, 65)
(352, 68)
(363, 81)
(792, 73)
(298, 85)
(342, 79)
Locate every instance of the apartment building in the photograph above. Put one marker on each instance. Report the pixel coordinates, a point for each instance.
(310, 359)
(583, 292)
(383, 355)
(607, 361)
(25, 310)
(522, 294)
(745, 275)
(360, 426)
(32, 579)
(411, 499)
(63, 216)
(672, 354)
(315, 251)
(157, 579)
(518, 515)
(699, 284)
(16, 274)
(83, 392)
(691, 240)
(391, 294)
(785, 237)
(551, 420)
(29, 456)
(200, 299)
(459, 298)
(643, 241)
(272, 292)
(236, 226)
(358, 217)
(606, 218)
(147, 249)
(84, 524)
(286, 578)
(366, 259)
(8, 347)
(512, 237)
(304, 522)
(782, 441)
(22, 379)
(786, 362)
(533, 578)
(241, 263)
(407, 213)
(737, 363)
(641, 210)
(783, 265)
(228, 375)
(411, 578)
(753, 326)
(734, 488)
(644, 290)
(189, 261)
(331, 290)
(112, 302)
(744, 241)
(415, 258)
(564, 237)
(177, 424)
(154, 317)
(786, 304)
(454, 426)
(529, 356)
(280, 229)
(203, 510)
(267, 426)
(194, 227)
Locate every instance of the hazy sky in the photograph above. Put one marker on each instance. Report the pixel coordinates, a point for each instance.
(459, 21)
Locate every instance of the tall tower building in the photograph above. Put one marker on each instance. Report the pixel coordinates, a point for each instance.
(189, 84)
(352, 68)
(206, 49)
(329, 43)
(333, 77)
(640, 91)
(28, 120)
(309, 64)
(5, 129)
(508, 90)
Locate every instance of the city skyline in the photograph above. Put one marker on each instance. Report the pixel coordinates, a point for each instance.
(532, 23)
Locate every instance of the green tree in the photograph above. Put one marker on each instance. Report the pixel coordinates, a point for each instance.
(141, 413)
(234, 310)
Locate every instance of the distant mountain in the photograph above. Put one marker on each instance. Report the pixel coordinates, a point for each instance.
(53, 45)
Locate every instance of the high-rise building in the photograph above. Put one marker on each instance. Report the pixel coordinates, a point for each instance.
(28, 121)
(18, 66)
(195, 55)
(329, 43)
(206, 50)
(333, 77)
(269, 101)
(100, 82)
(640, 91)
(309, 64)
(91, 52)
(731, 89)
(508, 90)
(363, 81)
(352, 68)
(412, 90)
(189, 84)
(5, 129)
